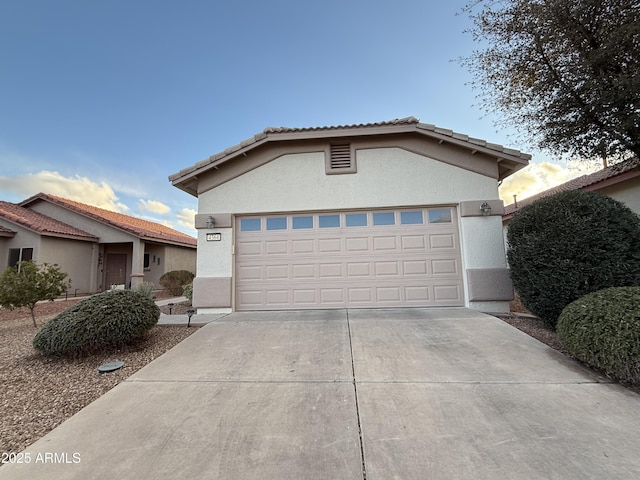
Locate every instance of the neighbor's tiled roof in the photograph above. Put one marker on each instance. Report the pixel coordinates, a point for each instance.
(412, 124)
(40, 223)
(584, 182)
(142, 228)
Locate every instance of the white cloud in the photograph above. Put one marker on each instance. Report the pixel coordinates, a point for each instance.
(76, 188)
(538, 177)
(153, 206)
(186, 218)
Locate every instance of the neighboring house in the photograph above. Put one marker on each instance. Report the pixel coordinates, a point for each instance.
(620, 182)
(97, 248)
(377, 215)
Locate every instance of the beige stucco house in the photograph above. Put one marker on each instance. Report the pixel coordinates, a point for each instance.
(97, 248)
(386, 214)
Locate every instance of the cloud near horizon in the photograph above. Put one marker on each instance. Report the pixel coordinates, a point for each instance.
(153, 206)
(538, 177)
(76, 188)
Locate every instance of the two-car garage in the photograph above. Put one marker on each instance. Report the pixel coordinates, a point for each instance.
(357, 259)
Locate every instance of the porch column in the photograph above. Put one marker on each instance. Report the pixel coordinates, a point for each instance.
(137, 263)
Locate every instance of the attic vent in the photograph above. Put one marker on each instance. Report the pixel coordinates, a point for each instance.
(340, 159)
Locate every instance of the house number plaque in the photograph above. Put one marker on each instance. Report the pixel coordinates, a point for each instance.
(214, 237)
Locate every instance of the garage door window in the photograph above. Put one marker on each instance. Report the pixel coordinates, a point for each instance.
(356, 219)
(329, 221)
(384, 218)
(277, 223)
(441, 215)
(250, 225)
(411, 218)
(302, 222)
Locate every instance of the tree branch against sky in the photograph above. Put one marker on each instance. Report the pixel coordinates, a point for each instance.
(565, 73)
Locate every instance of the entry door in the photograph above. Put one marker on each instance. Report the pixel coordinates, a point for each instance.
(116, 269)
(359, 259)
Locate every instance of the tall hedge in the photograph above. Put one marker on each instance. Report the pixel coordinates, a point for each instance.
(570, 244)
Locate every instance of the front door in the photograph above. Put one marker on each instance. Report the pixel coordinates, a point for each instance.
(116, 269)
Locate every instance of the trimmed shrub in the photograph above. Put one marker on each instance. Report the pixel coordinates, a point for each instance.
(145, 289)
(567, 245)
(188, 291)
(175, 280)
(602, 329)
(107, 320)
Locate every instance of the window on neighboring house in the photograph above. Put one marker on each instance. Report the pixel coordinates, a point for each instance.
(17, 255)
(340, 158)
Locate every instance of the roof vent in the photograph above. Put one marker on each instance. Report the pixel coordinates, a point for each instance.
(341, 159)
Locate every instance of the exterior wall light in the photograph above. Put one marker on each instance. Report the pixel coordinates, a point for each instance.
(485, 208)
(211, 222)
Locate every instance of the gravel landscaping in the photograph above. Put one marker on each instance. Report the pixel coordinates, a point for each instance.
(39, 393)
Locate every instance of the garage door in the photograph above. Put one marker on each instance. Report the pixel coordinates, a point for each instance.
(360, 259)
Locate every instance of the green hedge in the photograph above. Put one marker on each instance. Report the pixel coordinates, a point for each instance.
(109, 319)
(602, 329)
(570, 244)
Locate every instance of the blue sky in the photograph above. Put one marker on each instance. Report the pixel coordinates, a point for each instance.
(102, 101)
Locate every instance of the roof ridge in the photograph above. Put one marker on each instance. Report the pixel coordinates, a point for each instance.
(39, 222)
(135, 225)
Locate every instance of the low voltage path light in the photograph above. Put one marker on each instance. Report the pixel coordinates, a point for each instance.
(170, 305)
(190, 313)
(485, 208)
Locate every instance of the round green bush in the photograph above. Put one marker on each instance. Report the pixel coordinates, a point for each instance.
(175, 280)
(602, 329)
(109, 319)
(567, 245)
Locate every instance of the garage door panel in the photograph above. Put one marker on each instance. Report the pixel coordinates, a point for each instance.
(358, 269)
(329, 245)
(303, 272)
(365, 265)
(303, 246)
(384, 244)
(441, 241)
(277, 272)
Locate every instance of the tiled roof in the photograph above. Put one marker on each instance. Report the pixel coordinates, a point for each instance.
(6, 232)
(144, 229)
(584, 182)
(40, 223)
(408, 124)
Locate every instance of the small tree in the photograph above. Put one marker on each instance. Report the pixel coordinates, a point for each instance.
(29, 283)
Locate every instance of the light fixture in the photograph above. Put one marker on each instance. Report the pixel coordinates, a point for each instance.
(211, 222)
(190, 313)
(485, 208)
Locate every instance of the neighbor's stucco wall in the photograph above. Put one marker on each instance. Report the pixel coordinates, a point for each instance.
(78, 259)
(179, 258)
(105, 233)
(627, 192)
(386, 177)
(23, 239)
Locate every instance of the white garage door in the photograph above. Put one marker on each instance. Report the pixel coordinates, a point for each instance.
(360, 259)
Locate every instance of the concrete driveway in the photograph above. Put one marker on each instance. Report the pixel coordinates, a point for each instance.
(357, 394)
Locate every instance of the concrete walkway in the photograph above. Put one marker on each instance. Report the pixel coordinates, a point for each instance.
(357, 394)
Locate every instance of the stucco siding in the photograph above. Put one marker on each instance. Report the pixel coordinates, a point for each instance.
(79, 260)
(23, 239)
(627, 192)
(176, 258)
(385, 177)
(105, 233)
